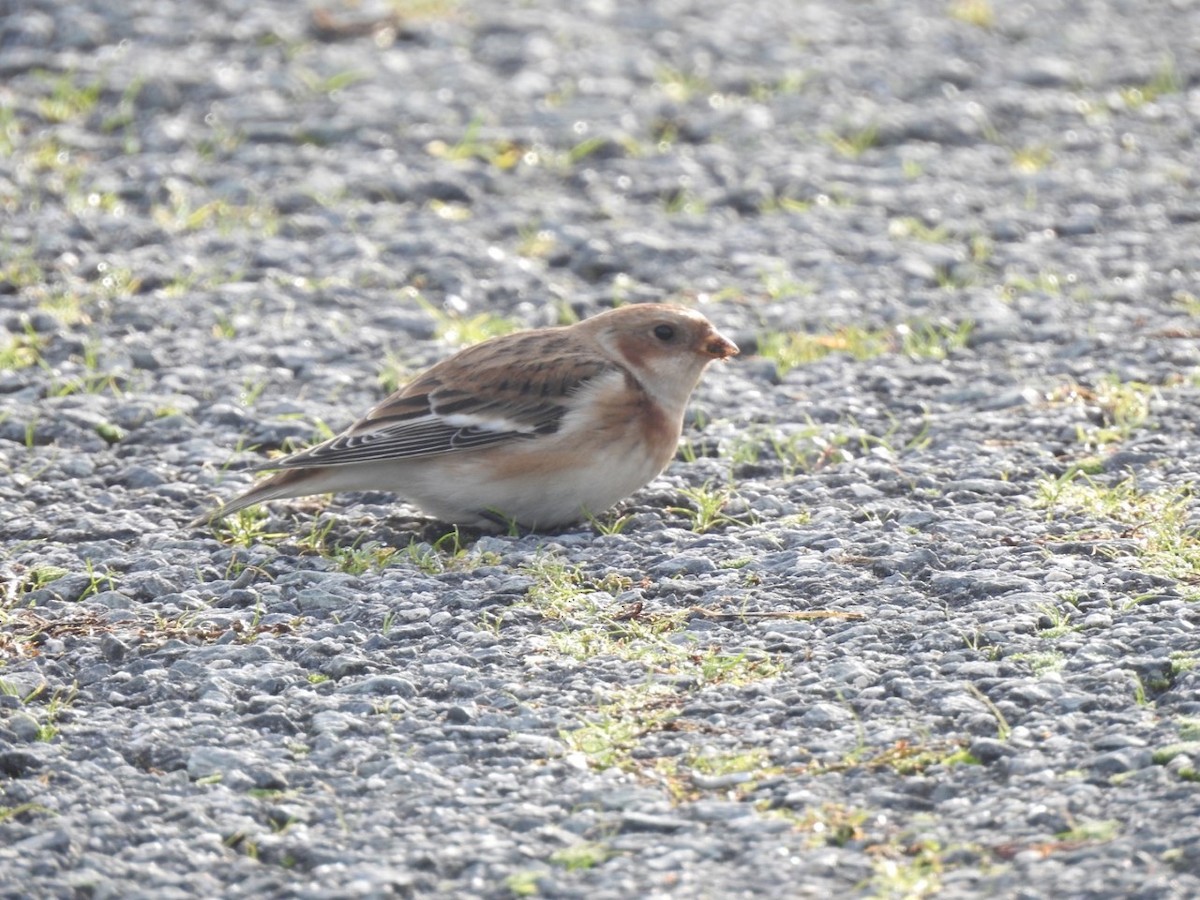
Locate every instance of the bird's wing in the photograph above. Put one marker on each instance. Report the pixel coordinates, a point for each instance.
(463, 403)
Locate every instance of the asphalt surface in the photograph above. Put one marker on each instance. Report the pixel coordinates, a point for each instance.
(913, 613)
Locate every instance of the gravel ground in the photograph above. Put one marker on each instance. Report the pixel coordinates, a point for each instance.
(913, 613)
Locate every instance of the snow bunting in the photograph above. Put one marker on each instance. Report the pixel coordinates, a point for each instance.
(535, 429)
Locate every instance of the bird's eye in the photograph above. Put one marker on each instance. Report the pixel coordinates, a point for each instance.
(664, 332)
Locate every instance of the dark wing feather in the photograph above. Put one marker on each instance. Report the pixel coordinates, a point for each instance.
(435, 415)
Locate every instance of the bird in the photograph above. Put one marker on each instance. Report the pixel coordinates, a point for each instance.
(528, 431)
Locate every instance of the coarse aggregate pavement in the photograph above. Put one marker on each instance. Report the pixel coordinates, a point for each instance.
(914, 611)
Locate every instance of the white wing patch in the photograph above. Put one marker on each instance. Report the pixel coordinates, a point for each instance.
(486, 423)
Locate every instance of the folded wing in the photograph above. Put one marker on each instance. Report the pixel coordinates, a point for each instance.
(461, 404)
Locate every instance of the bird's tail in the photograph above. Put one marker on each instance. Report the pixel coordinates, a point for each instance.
(288, 483)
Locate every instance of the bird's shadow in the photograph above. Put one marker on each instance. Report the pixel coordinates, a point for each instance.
(359, 520)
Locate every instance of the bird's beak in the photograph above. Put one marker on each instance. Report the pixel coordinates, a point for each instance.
(720, 347)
